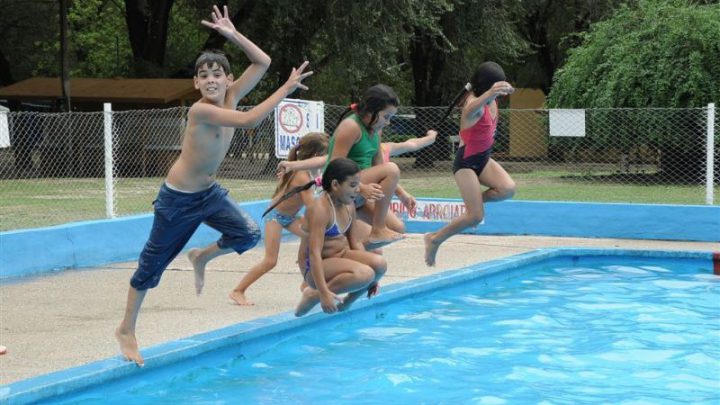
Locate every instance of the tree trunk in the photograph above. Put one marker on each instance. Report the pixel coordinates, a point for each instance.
(428, 62)
(6, 77)
(147, 23)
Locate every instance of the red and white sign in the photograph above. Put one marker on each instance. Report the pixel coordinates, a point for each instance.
(295, 118)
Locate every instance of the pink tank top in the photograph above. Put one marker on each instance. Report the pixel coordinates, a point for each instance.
(479, 137)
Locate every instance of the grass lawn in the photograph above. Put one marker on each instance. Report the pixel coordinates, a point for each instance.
(30, 203)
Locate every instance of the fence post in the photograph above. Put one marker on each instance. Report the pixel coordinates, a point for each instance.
(710, 167)
(109, 169)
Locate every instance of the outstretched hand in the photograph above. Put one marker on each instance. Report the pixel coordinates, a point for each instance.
(221, 22)
(282, 168)
(297, 75)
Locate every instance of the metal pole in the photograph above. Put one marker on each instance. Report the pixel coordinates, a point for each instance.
(710, 167)
(109, 163)
(64, 64)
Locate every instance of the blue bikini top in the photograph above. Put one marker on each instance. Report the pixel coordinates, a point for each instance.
(334, 230)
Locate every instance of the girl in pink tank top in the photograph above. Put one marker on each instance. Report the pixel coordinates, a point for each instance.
(473, 168)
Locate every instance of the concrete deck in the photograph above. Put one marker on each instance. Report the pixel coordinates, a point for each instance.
(67, 319)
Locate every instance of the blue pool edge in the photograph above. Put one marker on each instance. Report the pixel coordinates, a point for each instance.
(81, 377)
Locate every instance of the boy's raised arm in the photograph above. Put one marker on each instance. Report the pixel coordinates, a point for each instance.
(260, 61)
(226, 117)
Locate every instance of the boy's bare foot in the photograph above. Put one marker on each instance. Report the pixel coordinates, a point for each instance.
(198, 269)
(380, 238)
(129, 347)
(431, 248)
(240, 299)
(310, 298)
(303, 285)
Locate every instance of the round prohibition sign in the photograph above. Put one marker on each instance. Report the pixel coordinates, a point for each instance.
(291, 118)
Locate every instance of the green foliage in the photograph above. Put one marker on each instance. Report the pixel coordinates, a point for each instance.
(663, 53)
(186, 35)
(24, 29)
(98, 40)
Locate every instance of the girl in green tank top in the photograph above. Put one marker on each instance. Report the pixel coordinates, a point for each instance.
(357, 137)
(363, 151)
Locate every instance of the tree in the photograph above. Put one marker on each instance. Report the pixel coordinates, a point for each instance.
(662, 53)
(147, 23)
(20, 31)
(443, 58)
(553, 27)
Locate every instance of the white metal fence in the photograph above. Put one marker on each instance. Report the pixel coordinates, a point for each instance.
(61, 167)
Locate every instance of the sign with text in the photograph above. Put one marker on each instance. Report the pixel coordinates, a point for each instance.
(295, 118)
(429, 211)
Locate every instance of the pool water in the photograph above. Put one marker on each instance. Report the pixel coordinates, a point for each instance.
(606, 330)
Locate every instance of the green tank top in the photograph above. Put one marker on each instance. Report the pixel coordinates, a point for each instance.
(363, 151)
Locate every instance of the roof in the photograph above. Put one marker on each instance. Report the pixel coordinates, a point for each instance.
(149, 91)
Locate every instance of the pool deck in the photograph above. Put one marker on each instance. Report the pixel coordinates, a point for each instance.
(67, 319)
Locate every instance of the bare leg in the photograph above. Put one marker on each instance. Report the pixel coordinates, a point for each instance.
(394, 223)
(199, 258)
(273, 233)
(500, 185)
(379, 266)
(387, 175)
(125, 333)
(469, 186)
(342, 275)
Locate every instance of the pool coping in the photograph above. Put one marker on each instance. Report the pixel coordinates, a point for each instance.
(248, 333)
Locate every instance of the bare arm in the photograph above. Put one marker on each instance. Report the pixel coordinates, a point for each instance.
(353, 242)
(407, 199)
(346, 134)
(259, 60)
(318, 219)
(473, 109)
(411, 145)
(225, 117)
(297, 165)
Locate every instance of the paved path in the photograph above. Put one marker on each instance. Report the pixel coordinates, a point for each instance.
(67, 319)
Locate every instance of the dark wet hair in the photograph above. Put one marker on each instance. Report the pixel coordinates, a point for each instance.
(485, 76)
(482, 80)
(310, 145)
(210, 58)
(339, 169)
(375, 99)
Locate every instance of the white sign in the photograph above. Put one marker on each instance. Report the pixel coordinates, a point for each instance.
(4, 129)
(295, 118)
(429, 211)
(566, 122)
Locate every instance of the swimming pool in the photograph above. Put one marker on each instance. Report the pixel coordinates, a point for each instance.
(562, 325)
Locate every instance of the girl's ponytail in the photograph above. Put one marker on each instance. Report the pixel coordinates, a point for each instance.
(292, 192)
(454, 103)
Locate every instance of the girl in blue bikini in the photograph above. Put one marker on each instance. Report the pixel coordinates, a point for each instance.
(285, 214)
(331, 260)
